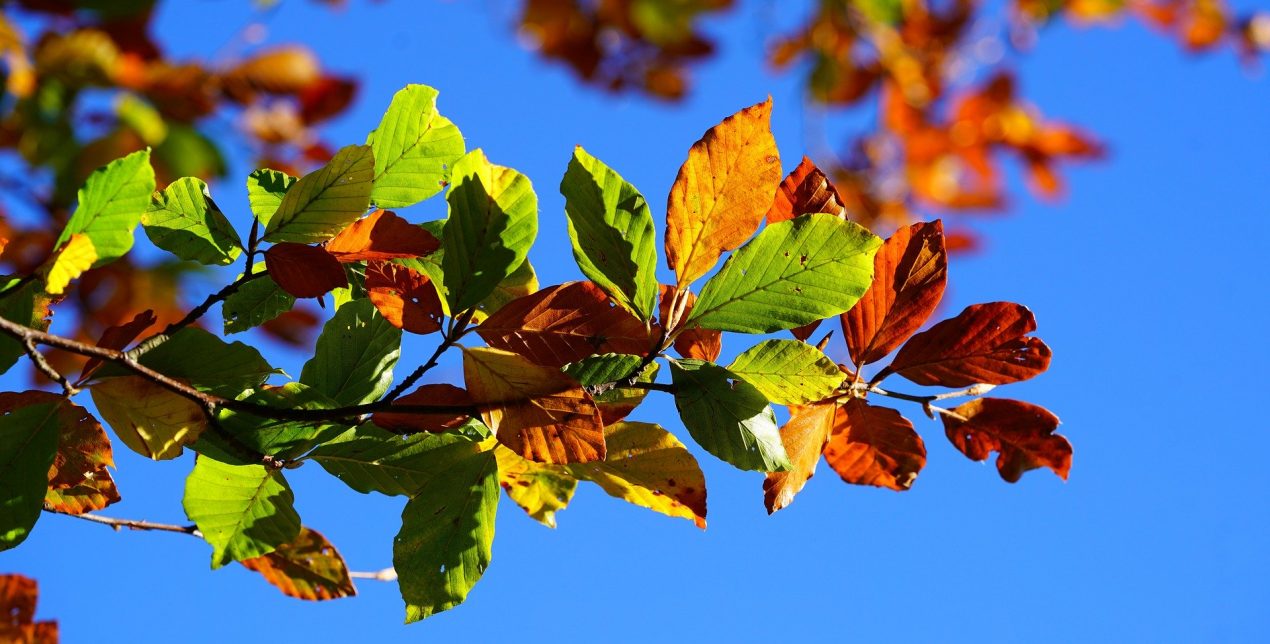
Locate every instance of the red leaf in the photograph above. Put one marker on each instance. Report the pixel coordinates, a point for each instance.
(874, 446)
(805, 190)
(440, 394)
(328, 97)
(404, 296)
(563, 324)
(118, 337)
(381, 235)
(986, 343)
(700, 344)
(304, 271)
(910, 271)
(1021, 433)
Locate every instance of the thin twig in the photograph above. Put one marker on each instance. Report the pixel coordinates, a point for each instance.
(387, 574)
(42, 364)
(197, 312)
(456, 330)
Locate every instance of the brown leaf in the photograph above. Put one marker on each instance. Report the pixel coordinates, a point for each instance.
(404, 296)
(805, 190)
(909, 275)
(327, 97)
(304, 271)
(874, 446)
(281, 70)
(381, 235)
(700, 344)
(722, 192)
(118, 337)
(78, 480)
(1021, 433)
(18, 595)
(563, 324)
(986, 343)
(538, 412)
(308, 568)
(438, 394)
(804, 437)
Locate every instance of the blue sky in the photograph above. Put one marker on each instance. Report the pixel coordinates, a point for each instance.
(1148, 282)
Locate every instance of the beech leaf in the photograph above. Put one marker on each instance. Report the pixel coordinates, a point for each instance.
(806, 190)
(325, 201)
(370, 459)
(1021, 433)
(728, 416)
(381, 236)
(355, 355)
(414, 147)
(110, 206)
(540, 490)
(985, 343)
(243, 511)
(788, 372)
(151, 420)
(308, 568)
(28, 447)
(183, 220)
(405, 297)
(804, 438)
(874, 446)
(304, 271)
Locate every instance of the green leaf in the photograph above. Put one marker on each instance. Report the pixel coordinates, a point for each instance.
(370, 459)
(493, 221)
(414, 148)
(355, 354)
(788, 372)
(611, 229)
(325, 201)
(599, 369)
(447, 534)
(792, 273)
(284, 439)
(205, 361)
(255, 303)
(184, 221)
(728, 416)
(111, 204)
(265, 190)
(28, 306)
(243, 511)
(520, 283)
(28, 445)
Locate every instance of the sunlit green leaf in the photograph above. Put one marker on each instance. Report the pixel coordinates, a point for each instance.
(111, 204)
(788, 372)
(184, 221)
(728, 416)
(355, 355)
(325, 201)
(243, 511)
(414, 147)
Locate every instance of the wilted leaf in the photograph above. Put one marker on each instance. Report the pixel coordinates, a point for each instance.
(806, 190)
(325, 201)
(404, 296)
(381, 236)
(804, 438)
(243, 511)
(184, 221)
(788, 372)
(540, 490)
(1021, 433)
(118, 337)
(28, 446)
(355, 355)
(308, 568)
(304, 271)
(110, 206)
(728, 416)
(874, 446)
(415, 147)
(151, 420)
(435, 394)
(985, 343)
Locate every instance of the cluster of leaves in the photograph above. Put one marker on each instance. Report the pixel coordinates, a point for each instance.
(18, 595)
(85, 82)
(545, 405)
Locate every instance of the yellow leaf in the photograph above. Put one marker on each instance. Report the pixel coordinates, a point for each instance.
(151, 420)
(69, 263)
(538, 412)
(723, 191)
(649, 467)
(541, 490)
(804, 437)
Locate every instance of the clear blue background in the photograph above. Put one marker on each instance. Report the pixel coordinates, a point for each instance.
(1149, 283)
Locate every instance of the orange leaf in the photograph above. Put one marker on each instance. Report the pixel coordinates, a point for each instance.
(698, 343)
(118, 337)
(381, 235)
(804, 437)
(874, 446)
(78, 480)
(563, 324)
(909, 275)
(308, 568)
(18, 595)
(537, 412)
(986, 343)
(805, 190)
(304, 271)
(1021, 433)
(404, 296)
(722, 192)
(440, 394)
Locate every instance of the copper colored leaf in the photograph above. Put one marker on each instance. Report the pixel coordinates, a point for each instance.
(1021, 433)
(380, 236)
(909, 275)
(79, 480)
(804, 438)
(538, 412)
(404, 296)
(805, 190)
(18, 595)
(118, 337)
(699, 344)
(722, 192)
(307, 568)
(281, 70)
(563, 324)
(437, 394)
(540, 490)
(874, 446)
(986, 343)
(304, 271)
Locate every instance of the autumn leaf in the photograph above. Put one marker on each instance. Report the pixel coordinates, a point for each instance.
(18, 595)
(874, 446)
(118, 337)
(804, 438)
(434, 394)
(308, 568)
(910, 271)
(538, 412)
(304, 271)
(404, 296)
(805, 190)
(79, 480)
(69, 263)
(722, 192)
(985, 343)
(151, 420)
(381, 236)
(540, 490)
(696, 343)
(1021, 433)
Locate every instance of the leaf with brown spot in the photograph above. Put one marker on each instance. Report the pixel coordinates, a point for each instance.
(118, 337)
(18, 595)
(986, 343)
(874, 446)
(79, 480)
(436, 394)
(404, 296)
(722, 192)
(540, 490)
(804, 437)
(304, 271)
(698, 343)
(909, 275)
(805, 190)
(149, 419)
(538, 412)
(1021, 433)
(308, 568)
(381, 236)
(563, 324)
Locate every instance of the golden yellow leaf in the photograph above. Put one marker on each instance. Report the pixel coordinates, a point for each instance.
(149, 419)
(804, 437)
(723, 191)
(69, 263)
(541, 490)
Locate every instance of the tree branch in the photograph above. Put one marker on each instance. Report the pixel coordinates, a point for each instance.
(458, 328)
(194, 314)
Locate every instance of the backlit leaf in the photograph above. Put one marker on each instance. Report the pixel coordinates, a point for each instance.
(255, 303)
(433, 394)
(18, 596)
(370, 459)
(985, 343)
(601, 369)
(70, 261)
(1021, 433)
(253, 434)
(265, 189)
(788, 372)
(355, 355)
(304, 271)
(540, 490)
(405, 297)
(728, 416)
(110, 206)
(806, 190)
(28, 446)
(221, 368)
(308, 568)
(804, 438)
(184, 221)
(79, 480)
(29, 306)
(874, 446)
(415, 147)
(243, 511)
(520, 283)
(325, 201)
(149, 419)
(722, 192)
(381, 236)
(793, 273)
(118, 337)
(617, 403)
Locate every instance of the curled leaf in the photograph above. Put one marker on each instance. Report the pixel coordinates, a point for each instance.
(1021, 433)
